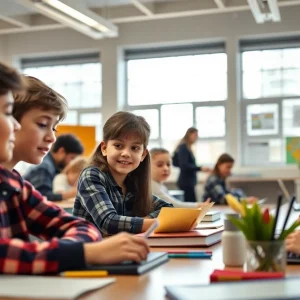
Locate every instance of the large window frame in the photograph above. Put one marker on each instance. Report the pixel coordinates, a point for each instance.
(68, 60)
(246, 139)
(171, 52)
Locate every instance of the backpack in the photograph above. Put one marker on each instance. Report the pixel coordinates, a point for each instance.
(175, 159)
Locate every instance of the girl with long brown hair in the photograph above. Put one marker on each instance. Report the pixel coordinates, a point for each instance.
(216, 186)
(114, 192)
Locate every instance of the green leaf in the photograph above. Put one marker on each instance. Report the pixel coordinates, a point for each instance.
(240, 224)
(286, 232)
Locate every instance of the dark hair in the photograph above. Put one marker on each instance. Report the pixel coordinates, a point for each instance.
(118, 125)
(69, 142)
(224, 158)
(10, 80)
(38, 95)
(185, 139)
(155, 151)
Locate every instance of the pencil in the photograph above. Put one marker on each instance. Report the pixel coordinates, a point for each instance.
(288, 213)
(276, 216)
(82, 274)
(189, 255)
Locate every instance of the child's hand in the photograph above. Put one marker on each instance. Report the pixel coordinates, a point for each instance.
(115, 249)
(201, 204)
(292, 242)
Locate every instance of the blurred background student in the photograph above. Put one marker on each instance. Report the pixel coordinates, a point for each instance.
(185, 160)
(216, 186)
(160, 171)
(68, 178)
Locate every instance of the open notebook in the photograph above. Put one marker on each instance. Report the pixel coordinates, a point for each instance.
(180, 219)
(46, 287)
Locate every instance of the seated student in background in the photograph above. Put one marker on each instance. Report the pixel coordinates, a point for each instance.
(68, 178)
(160, 171)
(186, 161)
(66, 148)
(24, 210)
(114, 192)
(216, 187)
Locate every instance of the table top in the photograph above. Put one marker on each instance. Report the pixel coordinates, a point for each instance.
(175, 271)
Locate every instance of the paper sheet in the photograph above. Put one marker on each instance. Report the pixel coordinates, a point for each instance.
(46, 287)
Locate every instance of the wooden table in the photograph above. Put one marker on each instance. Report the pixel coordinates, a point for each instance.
(150, 286)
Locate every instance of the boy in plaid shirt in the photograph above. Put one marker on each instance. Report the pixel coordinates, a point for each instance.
(70, 242)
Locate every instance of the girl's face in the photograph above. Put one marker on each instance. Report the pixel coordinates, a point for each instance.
(8, 127)
(193, 137)
(72, 178)
(160, 167)
(123, 155)
(225, 169)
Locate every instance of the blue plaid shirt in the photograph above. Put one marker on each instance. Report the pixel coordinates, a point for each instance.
(216, 188)
(42, 176)
(100, 200)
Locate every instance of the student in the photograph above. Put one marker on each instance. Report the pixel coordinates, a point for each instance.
(66, 148)
(187, 179)
(216, 187)
(24, 211)
(114, 192)
(68, 178)
(160, 171)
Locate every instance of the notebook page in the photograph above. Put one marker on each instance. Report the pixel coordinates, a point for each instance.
(45, 287)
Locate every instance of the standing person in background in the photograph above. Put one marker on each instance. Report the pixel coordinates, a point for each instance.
(216, 187)
(160, 171)
(185, 160)
(66, 148)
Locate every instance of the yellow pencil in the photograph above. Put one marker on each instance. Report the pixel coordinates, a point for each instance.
(79, 274)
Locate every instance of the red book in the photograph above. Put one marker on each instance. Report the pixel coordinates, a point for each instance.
(226, 275)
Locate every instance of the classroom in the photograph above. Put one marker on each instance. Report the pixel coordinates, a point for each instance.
(230, 69)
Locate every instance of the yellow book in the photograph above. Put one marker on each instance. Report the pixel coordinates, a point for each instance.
(180, 219)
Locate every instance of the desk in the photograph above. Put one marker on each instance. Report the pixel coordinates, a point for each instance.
(150, 286)
(176, 271)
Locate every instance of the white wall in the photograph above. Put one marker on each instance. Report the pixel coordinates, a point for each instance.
(220, 27)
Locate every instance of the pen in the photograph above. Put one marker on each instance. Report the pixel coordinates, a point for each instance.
(78, 274)
(151, 229)
(189, 252)
(189, 255)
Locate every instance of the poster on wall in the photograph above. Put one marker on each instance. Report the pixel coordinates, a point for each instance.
(293, 150)
(263, 121)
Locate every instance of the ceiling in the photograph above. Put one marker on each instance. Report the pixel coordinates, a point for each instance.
(16, 16)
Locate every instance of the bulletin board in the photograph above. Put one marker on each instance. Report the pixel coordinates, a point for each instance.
(86, 134)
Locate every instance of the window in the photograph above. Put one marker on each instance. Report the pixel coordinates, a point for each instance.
(174, 89)
(270, 107)
(78, 79)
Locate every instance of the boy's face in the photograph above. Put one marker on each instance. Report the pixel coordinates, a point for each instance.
(8, 126)
(36, 136)
(160, 167)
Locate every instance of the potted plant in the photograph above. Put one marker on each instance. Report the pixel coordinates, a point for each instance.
(265, 248)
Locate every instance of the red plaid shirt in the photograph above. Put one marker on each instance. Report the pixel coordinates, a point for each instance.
(24, 211)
